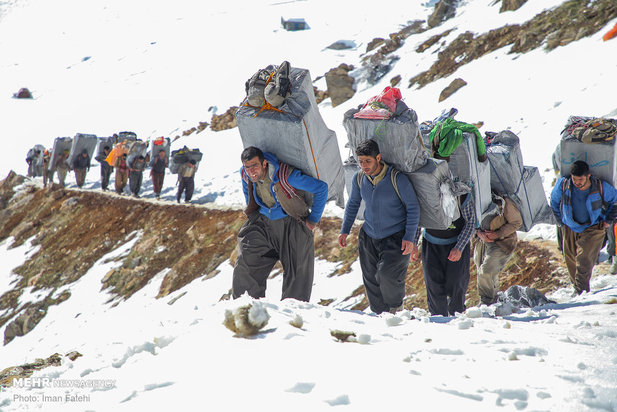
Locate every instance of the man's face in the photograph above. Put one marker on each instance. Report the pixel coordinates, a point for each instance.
(161, 154)
(581, 182)
(370, 165)
(255, 169)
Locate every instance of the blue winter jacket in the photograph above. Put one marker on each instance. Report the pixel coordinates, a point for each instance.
(384, 214)
(297, 180)
(562, 207)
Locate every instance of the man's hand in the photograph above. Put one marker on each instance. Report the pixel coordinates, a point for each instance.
(492, 236)
(413, 253)
(484, 237)
(407, 247)
(455, 255)
(309, 225)
(606, 225)
(342, 239)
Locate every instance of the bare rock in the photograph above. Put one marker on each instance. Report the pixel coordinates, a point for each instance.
(340, 84)
(451, 89)
(511, 5)
(444, 10)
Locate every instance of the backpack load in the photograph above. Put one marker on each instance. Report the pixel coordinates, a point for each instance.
(436, 193)
(61, 144)
(382, 106)
(592, 140)
(126, 137)
(34, 157)
(296, 134)
(181, 156)
(398, 136)
(510, 178)
(82, 142)
(118, 150)
(466, 168)
(158, 144)
(135, 149)
(102, 142)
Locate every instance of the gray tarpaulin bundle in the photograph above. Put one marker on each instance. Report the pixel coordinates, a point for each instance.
(599, 156)
(102, 142)
(82, 142)
(135, 149)
(35, 156)
(157, 145)
(61, 144)
(401, 145)
(181, 156)
(523, 184)
(397, 137)
(297, 135)
(466, 168)
(435, 192)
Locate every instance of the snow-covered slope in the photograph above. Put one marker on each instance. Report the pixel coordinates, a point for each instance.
(155, 68)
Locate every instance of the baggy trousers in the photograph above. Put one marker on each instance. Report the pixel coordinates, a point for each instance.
(446, 281)
(383, 270)
(135, 180)
(120, 181)
(80, 177)
(187, 185)
(157, 182)
(490, 259)
(261, 243)
(106, 170)
(580, 251)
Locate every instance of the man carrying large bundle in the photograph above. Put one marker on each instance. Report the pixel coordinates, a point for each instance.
(495, 246)
(584, 207)
(279, 226)
(391, 216)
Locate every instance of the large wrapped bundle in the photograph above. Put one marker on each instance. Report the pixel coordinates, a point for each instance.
(398, 137)
(61, 144)
(350, 168)
(599, 155)
(118, 150)
(126, 137)
(435, 192)
(136, 148)
(158, 144)
(297, 135)
(506, 162)
(466, 168)
(181, 156)
(531, 200)
(82, 142)
(102, 143)
(34, 157)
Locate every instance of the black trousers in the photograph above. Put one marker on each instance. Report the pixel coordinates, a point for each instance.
(106, 171)
(187, 185)
(135, 180)
(261, 243)
(383, 270)
(446, 282)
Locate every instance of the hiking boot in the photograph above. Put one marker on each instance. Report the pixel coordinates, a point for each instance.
(613, 268)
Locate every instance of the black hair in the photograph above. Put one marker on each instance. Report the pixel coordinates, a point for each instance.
(367, 148)
(106, 148)
(192, 161)
(250, 152)
(579, 168)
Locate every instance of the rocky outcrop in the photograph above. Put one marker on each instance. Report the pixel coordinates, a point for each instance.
(451, 89)
(569, 22)
(511, 5)
(432, 40)
(340, 84)
(320, 95)
(444, 10)
(224, 121)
